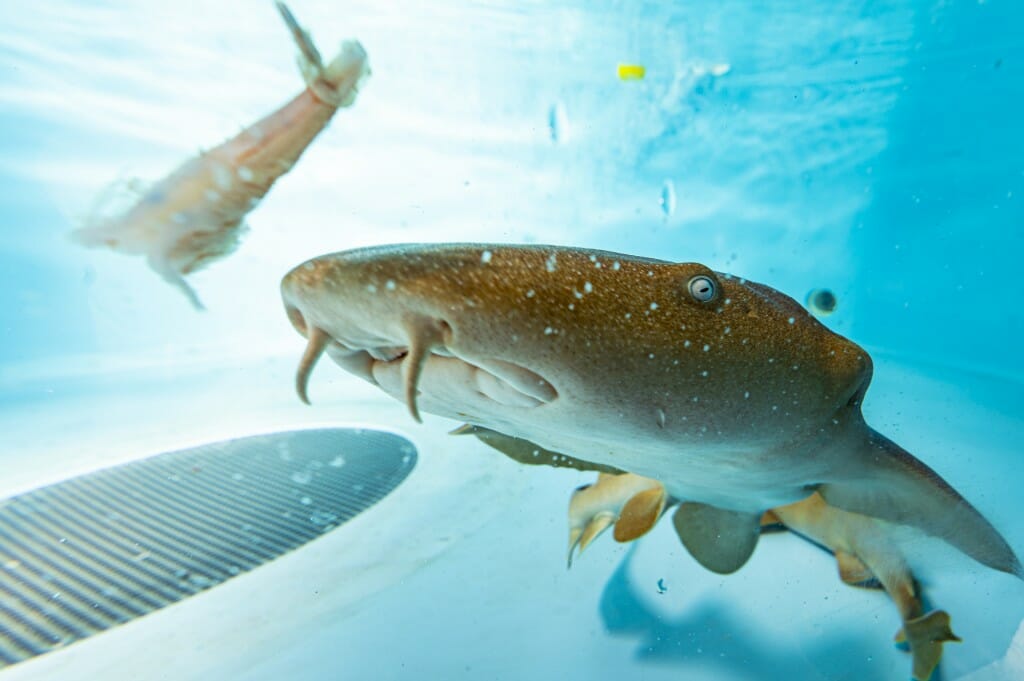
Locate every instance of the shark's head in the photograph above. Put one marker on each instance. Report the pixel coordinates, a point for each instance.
(533, 339)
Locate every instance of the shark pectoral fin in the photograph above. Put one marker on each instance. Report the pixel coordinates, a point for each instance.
(593, 530)
(898, 488)
(771, 523)
(526, 452)
(639, 514)
(852, 570)
(720, 540)
(925, 636)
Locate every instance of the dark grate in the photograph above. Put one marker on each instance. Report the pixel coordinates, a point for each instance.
(89, 553)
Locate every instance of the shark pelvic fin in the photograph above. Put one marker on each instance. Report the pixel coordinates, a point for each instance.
(898, 488)
(720, 540)
(639, 514)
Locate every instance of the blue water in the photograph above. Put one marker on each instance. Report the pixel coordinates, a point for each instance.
(874, 149)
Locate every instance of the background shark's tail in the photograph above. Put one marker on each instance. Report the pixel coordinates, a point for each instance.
(899, 488)
(336, 83)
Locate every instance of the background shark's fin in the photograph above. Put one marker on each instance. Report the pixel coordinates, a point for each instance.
(899, 488)
(720, 540)
(853, 571)
(639, 514)
(526, 452)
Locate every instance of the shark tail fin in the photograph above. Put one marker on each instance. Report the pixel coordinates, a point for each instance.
(898, 488)
(925, 636)
(337, 82)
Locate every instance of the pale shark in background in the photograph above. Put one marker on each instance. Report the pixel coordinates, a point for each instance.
(195, 215)
(725, 391)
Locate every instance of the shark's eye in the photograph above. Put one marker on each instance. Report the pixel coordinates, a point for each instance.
(702, 288)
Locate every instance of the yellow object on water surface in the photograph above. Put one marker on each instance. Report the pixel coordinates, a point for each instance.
(631, 71)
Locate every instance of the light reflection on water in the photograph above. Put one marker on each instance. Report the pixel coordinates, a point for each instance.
(796, 167)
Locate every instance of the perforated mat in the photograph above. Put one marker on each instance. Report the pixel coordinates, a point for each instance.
(83, 555)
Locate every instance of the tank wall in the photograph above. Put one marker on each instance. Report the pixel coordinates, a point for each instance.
(938, 248)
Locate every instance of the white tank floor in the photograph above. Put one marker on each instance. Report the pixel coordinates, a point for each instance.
(460, 573)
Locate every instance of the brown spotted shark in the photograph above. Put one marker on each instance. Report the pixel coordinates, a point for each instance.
(867, 550)
(725, 391)
(195, 215)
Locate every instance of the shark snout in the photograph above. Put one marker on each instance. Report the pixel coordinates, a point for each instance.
(401, 351)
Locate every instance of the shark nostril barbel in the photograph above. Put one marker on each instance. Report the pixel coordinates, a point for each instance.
(424, 335)
(318, 340)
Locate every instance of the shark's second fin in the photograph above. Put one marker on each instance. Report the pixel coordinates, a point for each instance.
(853, 571)
(898, 488)
(719, 540)
(526, 452)
(639, 514)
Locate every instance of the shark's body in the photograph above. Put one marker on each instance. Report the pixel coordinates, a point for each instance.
(196, 214)
(725, 391)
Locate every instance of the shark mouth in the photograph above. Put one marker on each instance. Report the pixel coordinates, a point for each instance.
(502, 382)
